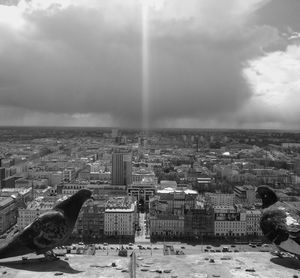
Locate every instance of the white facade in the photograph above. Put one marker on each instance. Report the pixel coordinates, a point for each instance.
(253, 220)
(230, 228)
(120, 222)
(172, 226)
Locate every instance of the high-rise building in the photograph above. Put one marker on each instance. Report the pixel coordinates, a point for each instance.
(121, 168)
(2, 177)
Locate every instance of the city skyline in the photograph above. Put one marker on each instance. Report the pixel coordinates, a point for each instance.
(150, 64)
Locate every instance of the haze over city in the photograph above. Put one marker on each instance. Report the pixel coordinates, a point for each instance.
(167, 63)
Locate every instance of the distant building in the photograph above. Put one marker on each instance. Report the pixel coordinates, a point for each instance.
(35, 208)
(166, 226)
(69, 175)
(252, 222)
(8, 213)
(219, 199)
(56, 178)
(245, 195)
(142, 192)
(72, 188)
(100, 177)
(297, 166)
(199, 222)
(120, 217)
(176, 201)
(8, 182)
(229, 221)
(143, 174)
(121, 168)
(2, 177)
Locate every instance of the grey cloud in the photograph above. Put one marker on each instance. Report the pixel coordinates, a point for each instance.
(74, 61)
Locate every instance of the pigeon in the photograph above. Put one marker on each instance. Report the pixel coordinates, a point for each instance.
(48, 230)
(280, 222)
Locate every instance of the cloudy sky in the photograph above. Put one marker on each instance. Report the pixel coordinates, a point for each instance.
(157, 63)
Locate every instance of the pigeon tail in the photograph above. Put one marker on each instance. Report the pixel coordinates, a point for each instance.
(13, 248)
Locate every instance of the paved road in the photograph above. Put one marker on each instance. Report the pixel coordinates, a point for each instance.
(141, 235)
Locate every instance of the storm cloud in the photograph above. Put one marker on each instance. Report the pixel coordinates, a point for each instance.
(80, 63)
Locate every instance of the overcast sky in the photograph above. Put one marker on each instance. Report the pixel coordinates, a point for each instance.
(212, 63)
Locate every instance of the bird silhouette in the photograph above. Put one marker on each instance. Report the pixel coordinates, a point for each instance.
(48, 230)
(280, 221)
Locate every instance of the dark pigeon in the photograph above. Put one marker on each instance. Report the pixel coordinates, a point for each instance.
(48, 230)
(280, 222)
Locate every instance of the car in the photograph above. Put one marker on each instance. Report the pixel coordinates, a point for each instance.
(130, 244)
(233, 246)
(149, 248)
(155, 248)
(182, 247)
(105, 243)
(80, 243)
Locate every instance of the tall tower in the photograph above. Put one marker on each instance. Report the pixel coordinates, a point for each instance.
(121, 168)
(2, 176)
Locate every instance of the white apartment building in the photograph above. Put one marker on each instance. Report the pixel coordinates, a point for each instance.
(120, 221)
(252, 222)
(230, 228)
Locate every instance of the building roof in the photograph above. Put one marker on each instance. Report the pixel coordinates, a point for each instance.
(4, 201)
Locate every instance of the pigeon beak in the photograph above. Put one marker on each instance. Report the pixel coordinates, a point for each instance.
(92, 197)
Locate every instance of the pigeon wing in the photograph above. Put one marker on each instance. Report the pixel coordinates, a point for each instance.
(273, 225)
(47, 231)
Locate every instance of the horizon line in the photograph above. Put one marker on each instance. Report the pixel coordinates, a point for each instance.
(152, 129)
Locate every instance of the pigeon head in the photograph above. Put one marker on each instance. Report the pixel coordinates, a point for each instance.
(72, 206)
(267, 195)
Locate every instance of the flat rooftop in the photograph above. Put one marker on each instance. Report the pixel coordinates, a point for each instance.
(196, 265)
